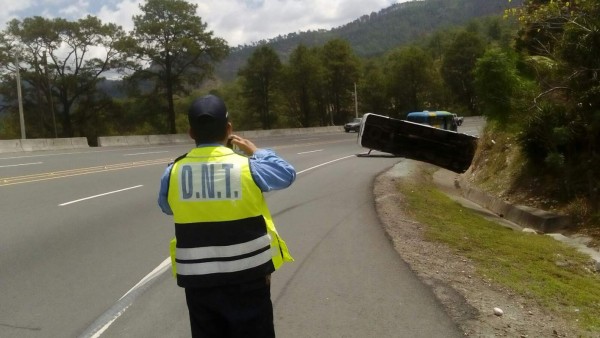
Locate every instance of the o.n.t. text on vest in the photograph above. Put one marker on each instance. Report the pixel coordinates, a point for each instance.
(210, 181)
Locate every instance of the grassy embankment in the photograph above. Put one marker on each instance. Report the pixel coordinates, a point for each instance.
(534, 266)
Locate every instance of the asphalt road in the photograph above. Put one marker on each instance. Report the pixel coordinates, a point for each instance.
(83, 247)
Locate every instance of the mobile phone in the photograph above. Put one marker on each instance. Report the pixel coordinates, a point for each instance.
(229, 143)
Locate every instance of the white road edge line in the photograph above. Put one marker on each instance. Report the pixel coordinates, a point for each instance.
(100, 195)
(107, 325)
(157, 271)
(19, 165)
(163, 267)
(111, 315)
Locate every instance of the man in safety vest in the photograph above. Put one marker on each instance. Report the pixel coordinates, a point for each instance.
(226, 245)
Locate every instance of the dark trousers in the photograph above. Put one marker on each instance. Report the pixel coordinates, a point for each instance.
(242, 310)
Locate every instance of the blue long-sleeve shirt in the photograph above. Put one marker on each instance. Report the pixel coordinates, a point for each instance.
(269, 171)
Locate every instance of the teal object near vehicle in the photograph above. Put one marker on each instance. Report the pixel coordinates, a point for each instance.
(438, 119)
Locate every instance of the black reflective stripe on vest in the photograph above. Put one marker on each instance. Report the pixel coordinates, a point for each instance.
(212, 245)
(194, 235)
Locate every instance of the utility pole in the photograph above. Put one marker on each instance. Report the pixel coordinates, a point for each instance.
(20, 97)
(355, 101)
(49, 93)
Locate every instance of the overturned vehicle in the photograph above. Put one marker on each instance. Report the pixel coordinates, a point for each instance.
(445, 148)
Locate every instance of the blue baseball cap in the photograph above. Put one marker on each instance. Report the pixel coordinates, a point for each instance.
(209, 106)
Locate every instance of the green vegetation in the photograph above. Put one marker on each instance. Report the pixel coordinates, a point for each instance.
(534, 266)
(61, 74)
(63, 66)
(543, 96)
(260, 76)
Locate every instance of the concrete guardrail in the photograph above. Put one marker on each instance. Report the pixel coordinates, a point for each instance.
(11, 146)
(141, 140)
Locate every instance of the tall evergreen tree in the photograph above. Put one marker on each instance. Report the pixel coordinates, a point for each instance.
(409, 76)
(342, 69)
(261, 75)
(173, 49)
(372, 96)
(303, 83)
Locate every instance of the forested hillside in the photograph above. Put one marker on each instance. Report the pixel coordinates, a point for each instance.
(376, 33)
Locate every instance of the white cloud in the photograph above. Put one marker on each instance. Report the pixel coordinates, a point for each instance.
(237, 21)
(122, 15)
(9, 6)
(77, 9)
(9, 9)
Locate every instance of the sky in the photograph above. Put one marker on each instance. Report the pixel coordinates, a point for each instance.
(236, 21)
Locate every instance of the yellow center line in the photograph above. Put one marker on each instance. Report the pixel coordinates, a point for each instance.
(79, 171)
(5, 181)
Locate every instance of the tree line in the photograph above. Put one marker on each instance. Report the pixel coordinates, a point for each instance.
(169, 57)
(317, 86)
(533, 73)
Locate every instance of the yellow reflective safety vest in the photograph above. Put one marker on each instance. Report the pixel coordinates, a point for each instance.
(224, 232)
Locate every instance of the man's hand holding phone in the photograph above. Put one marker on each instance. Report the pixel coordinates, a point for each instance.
(245, 145)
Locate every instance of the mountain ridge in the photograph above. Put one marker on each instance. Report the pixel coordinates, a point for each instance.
(376, 33)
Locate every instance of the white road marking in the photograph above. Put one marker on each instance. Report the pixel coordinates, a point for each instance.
(19, 165)
(157, 271)
(109, 323)
(149, 277)
(100, 195)
(308, 152)
(150, 152)
(326, 163)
